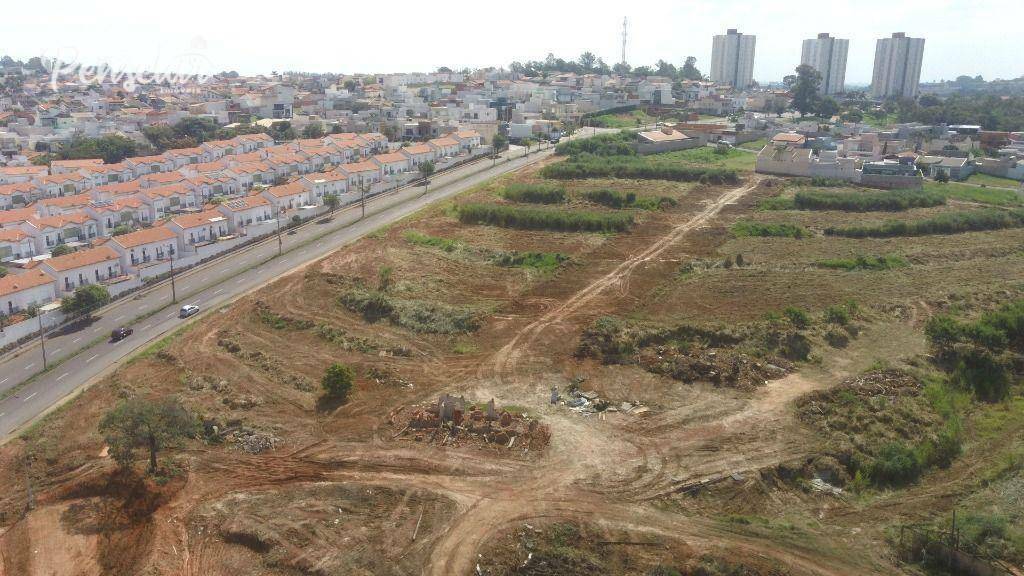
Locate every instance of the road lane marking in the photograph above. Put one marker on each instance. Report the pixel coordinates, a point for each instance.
(61, 377)
(29, 397)
(143, 307)
(2, 414)
(240, 280)
(171, 315)
(57, 351)
(29, 367)
(147, 326)
(76, 339)
(218, 291)
(91, 358)
(119, 318)
(4, 380)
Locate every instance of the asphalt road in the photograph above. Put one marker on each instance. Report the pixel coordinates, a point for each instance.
(75, 358)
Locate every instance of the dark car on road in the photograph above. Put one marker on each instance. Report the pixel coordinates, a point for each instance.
(120, 334)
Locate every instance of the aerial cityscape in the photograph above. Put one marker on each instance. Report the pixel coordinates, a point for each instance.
(743, 296)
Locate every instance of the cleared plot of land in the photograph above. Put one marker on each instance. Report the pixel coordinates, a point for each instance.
(708, 382)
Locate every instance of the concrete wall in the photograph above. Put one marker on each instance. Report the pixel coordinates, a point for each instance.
(892, 182)
(16, 332)
(659, 147)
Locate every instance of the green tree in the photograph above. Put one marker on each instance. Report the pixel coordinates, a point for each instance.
(332, 201)
(3, 271)
(805, 89)
(85, 300)
(61, 250)
(689, 70)
(337, 382)
(828, 107)
(313, 130)
(587, 60)
(426, 171)
(150, 424)
(499, 142)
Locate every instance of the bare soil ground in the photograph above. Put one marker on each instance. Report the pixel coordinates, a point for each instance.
(343, 490)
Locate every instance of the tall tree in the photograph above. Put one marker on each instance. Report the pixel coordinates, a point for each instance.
(663, 68)
(85, 300)
(828, 107)
(587, 60)
(150, 424)
(337, 382)
(426, 171)
(689, 70)
(805, 89)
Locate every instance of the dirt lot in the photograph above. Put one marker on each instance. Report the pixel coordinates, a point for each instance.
(703, 478)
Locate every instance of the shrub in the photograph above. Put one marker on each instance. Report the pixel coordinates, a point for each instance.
(949, 223)
(419, 316)
(337, 382)
(980, 371)
(896, 464)
(534, 193)
(372, 304)
(617, 200)
(421, 239)
(866, 201)
(762, 230)
(61, 250)
(640, 168)
(837, 315)
(543, 219)
(887, 262)
(797, 316)
(618, 144)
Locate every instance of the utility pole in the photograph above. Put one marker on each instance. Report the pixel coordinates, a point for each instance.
(280, 244)
(31, 503)
(174, 292)
(42, 339)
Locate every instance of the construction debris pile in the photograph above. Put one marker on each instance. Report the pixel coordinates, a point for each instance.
(589, 402)
(722, 367)
(242, 437)
(454, 422)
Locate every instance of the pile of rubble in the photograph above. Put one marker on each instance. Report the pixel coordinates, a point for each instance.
(589, 402)
(721, 367)
(454, 422)
(253, 442)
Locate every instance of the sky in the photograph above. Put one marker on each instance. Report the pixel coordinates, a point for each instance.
(962, 36)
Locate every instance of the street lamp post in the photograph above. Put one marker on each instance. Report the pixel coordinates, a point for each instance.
(280, 243)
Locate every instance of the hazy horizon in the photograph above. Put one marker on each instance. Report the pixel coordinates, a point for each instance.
(961, 38)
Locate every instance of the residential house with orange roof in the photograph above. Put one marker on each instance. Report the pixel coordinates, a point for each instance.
(16, 174)
(84, 267)
(22, 291)
(468, 139)
(392, 163)
(206, 187)
(198, 228)
(161, 179)
(220, 148)
(72, 166)
(110, 214)
(418, 154)
(286, 197)
(249, 174)
(15, 244)
(116, 190)
(50, 231)
(66, 184)
(251, 142)
(16, 217)
(108, 173)
(320, 184)
(149, 164)
(144, 247)
(445, 147)
(63, 205)
(289, 164)
(245, 211)
(184, 156)
(357, 173)
(18, 195)
(168, 199)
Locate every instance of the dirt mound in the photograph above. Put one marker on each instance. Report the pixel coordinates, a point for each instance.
(455, 423)
(321, 529)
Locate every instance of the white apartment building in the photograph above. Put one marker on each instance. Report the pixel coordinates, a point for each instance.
(732, 59)
(827, 55)
(897, 67)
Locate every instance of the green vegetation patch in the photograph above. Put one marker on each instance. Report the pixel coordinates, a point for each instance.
(618, 200)
(542, 261)
(415, 315)
(534, 193)
(769, 230)
(866, 201)
(618, 144)
(635, 167)
(444, 244)
(948, 223)
(966, 193)
(544, 219)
